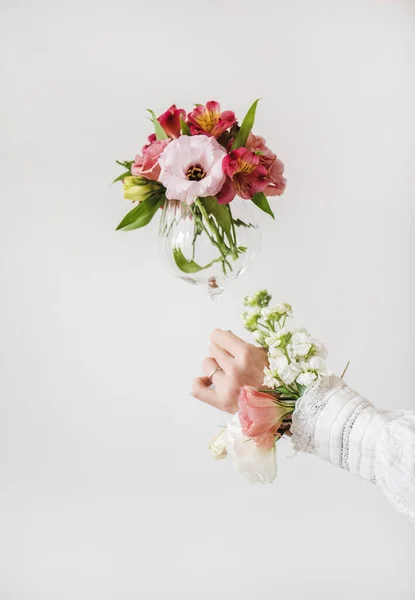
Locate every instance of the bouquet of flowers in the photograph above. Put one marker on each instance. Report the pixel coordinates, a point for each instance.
(196, 164)
(296, 361)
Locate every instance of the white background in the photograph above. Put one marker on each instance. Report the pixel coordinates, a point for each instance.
(107, 489)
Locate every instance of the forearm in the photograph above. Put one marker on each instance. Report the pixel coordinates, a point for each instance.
(340, 426)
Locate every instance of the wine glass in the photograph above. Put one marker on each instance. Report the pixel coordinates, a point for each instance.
(207, 243)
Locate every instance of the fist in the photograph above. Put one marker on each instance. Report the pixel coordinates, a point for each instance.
(232, 364)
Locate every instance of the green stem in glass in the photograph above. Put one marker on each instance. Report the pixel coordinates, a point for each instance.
(220, 243)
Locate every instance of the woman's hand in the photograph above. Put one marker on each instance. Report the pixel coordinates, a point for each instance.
(237, 362)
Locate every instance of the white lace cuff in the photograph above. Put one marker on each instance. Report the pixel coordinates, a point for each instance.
(340, 426)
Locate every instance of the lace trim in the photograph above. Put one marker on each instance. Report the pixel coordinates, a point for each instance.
(346, 434)
(397, 482)
(307, 411)
(395, 498)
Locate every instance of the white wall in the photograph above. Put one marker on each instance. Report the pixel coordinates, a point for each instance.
(107, 490)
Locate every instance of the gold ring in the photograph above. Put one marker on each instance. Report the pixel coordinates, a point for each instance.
(213, 372)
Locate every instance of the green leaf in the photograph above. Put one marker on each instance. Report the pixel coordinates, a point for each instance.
(261, 201)
(239, 223)
(142, 214)
(219, 211)
(189, 266)
(184, 126)
(246, 127)
(121, 177)
(160, 133)
(283, 390)
(125, 163)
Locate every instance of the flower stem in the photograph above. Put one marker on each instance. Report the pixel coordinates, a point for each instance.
(215, 231)
(216, 243)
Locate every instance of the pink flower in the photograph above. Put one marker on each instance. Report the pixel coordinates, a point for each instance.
(191, 168)
(260, 416)
(170, 121)
(151, 138)
(147, 165)
(246, 176)
(208, 120)
(276, 182)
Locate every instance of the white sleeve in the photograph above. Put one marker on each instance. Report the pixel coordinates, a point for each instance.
(337, 424)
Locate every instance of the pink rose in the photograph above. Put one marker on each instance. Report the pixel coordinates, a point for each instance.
(147, 165)
(260, 416)
(276, 182)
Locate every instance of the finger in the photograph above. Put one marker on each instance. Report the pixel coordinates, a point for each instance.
(223, 358)
(201, 391)
(208, 366)
(228, 341)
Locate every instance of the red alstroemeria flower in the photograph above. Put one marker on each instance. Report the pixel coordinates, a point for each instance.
(170, 121)
(208, 120)
(245, 176)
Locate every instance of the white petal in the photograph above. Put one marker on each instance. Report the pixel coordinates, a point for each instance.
(259, 466)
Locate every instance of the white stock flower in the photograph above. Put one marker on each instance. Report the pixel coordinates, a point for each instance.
(316, 363)
(312, 369)
(319, 349)
(218, 445)
(284, 309)
(250, 318)
(259, 336)
(301, 344)
(306, 378)
(191, 167)
(270, 379)
(258, 466)
(275, 351)
(286, 371)
(276, 313)
(274, 339)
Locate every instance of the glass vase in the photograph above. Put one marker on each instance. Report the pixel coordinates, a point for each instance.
(207, 243)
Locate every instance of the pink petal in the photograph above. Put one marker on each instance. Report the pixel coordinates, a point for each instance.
(227, 193)
(265, 441)
(213, 107)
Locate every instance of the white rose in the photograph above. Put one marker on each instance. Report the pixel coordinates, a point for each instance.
(218, 445)
(258, 466)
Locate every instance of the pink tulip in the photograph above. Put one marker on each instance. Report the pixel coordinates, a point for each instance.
(276, 182)
(245, 176)
(147, 165)
(260, 416)
(208, 120)
(170, 121)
